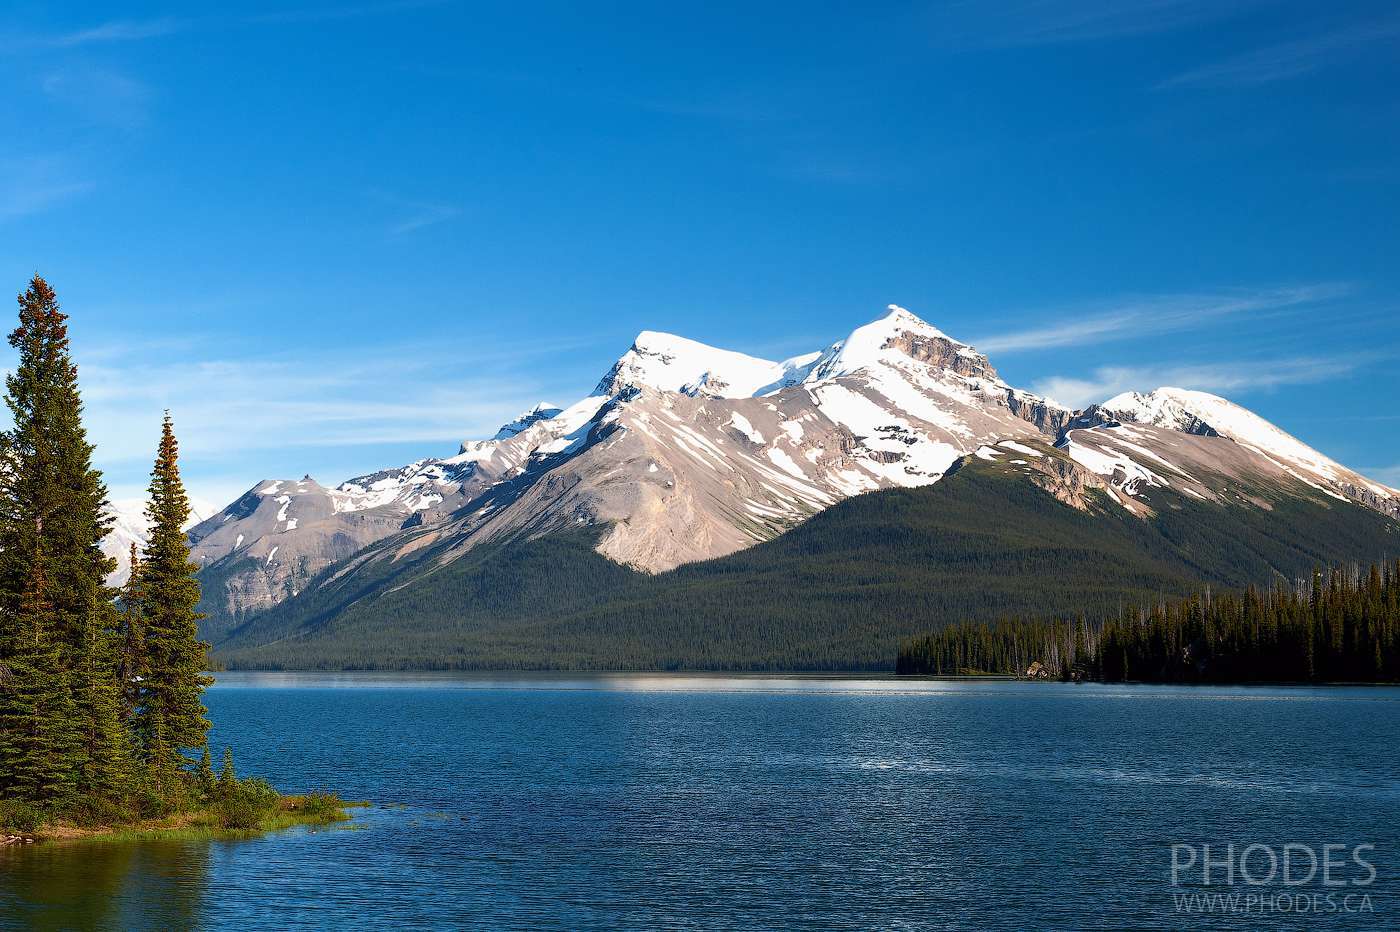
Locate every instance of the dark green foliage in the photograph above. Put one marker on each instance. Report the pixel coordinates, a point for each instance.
(204, 775)
(1341, 626)
(96, 703)
(838, 592)
(245, 804)
(228, 779)
(40, 736)
(320, 805)
(173, 658)
(56, 617)
(17, 816)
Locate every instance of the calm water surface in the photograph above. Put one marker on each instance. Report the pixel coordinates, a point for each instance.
(648, 802)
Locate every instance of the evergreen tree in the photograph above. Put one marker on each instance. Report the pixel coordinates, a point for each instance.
(1253, 637)
(38, 741)
(51, 528)
(227, 778)
(132, 668)
(205, 774)
(105, 762)
(174, 657)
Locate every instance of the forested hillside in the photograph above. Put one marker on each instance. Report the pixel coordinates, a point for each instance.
(838, 592)
(1343, 626)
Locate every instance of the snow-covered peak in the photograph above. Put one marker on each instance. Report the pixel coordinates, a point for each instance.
(671, 363)
(895, 337)
(129, 526)
(540, 412)
(1159, 408)
(1246, 427)
(1203, 413)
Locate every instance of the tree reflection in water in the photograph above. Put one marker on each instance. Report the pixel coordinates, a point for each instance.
(104, 884)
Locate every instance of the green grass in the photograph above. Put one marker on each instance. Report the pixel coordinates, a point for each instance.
(212, 820)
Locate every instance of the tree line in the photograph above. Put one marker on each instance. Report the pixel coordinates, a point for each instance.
(1341, 625)
(101, 719)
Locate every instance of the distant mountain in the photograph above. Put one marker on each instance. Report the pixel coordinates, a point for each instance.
(686, 453)
(129, 526)
(838, 592)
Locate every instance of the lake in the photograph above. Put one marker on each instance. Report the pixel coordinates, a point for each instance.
(690, 802)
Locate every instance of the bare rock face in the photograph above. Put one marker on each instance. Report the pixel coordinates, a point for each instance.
(685, 452)
(942, 353)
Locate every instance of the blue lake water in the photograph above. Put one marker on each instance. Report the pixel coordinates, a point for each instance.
(646, 802)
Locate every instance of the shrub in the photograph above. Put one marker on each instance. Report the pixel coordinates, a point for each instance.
(152, 805)
(246, 804)
(318, 805)
(101, 811)
(16, 816)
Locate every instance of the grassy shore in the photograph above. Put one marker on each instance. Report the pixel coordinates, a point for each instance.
(216, 819)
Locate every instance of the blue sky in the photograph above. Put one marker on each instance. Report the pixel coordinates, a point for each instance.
(333, 237)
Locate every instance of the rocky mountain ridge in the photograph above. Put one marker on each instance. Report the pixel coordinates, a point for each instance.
(685, 452)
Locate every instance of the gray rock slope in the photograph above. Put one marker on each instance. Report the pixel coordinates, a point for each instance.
(685, 452)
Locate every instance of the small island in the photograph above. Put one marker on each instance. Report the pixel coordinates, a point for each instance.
(103, 732)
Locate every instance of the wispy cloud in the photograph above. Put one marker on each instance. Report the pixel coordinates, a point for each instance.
(31, 185)
(109, 32)
(1155, 314)
(1226, 376)
(1044, 22)
(1390, 475)
(413, 215)
(308, 398)
(1289, 59)
(330, 12)
(100, 94)
(117, 31)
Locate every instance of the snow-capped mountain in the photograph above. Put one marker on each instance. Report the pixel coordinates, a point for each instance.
(1201, 413)
(685, 452)
(129, 526)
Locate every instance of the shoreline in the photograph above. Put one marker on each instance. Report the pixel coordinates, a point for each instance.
(192, 825)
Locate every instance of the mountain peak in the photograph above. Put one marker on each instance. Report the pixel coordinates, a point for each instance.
(673, 363)
(895, 335)
(543, 411)
(1199, 412)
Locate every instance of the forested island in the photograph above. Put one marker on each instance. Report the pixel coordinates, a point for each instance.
(102, 725)
(1342, 626)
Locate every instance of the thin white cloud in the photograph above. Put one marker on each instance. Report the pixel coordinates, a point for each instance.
(401, 394)
(413, 215)
(332, 12)
(1044, 22)
(1154, 314)
(1289, 59)
(109, 32)
(100, 94)
(1220, 377)
(31, 185)
(1390, 475)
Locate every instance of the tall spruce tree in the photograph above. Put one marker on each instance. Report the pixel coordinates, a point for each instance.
(132, 667)
(39, 744)
(174, 657)
(52, 523)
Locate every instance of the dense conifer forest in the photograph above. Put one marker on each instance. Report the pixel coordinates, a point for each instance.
(1341, 626)
(101, 719)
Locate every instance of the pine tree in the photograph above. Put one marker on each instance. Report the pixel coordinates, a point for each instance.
(132, 668)
(227, 778)
(205, 774)
(175, 658)
(38, 741)
(105, 766)
(52, 517)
